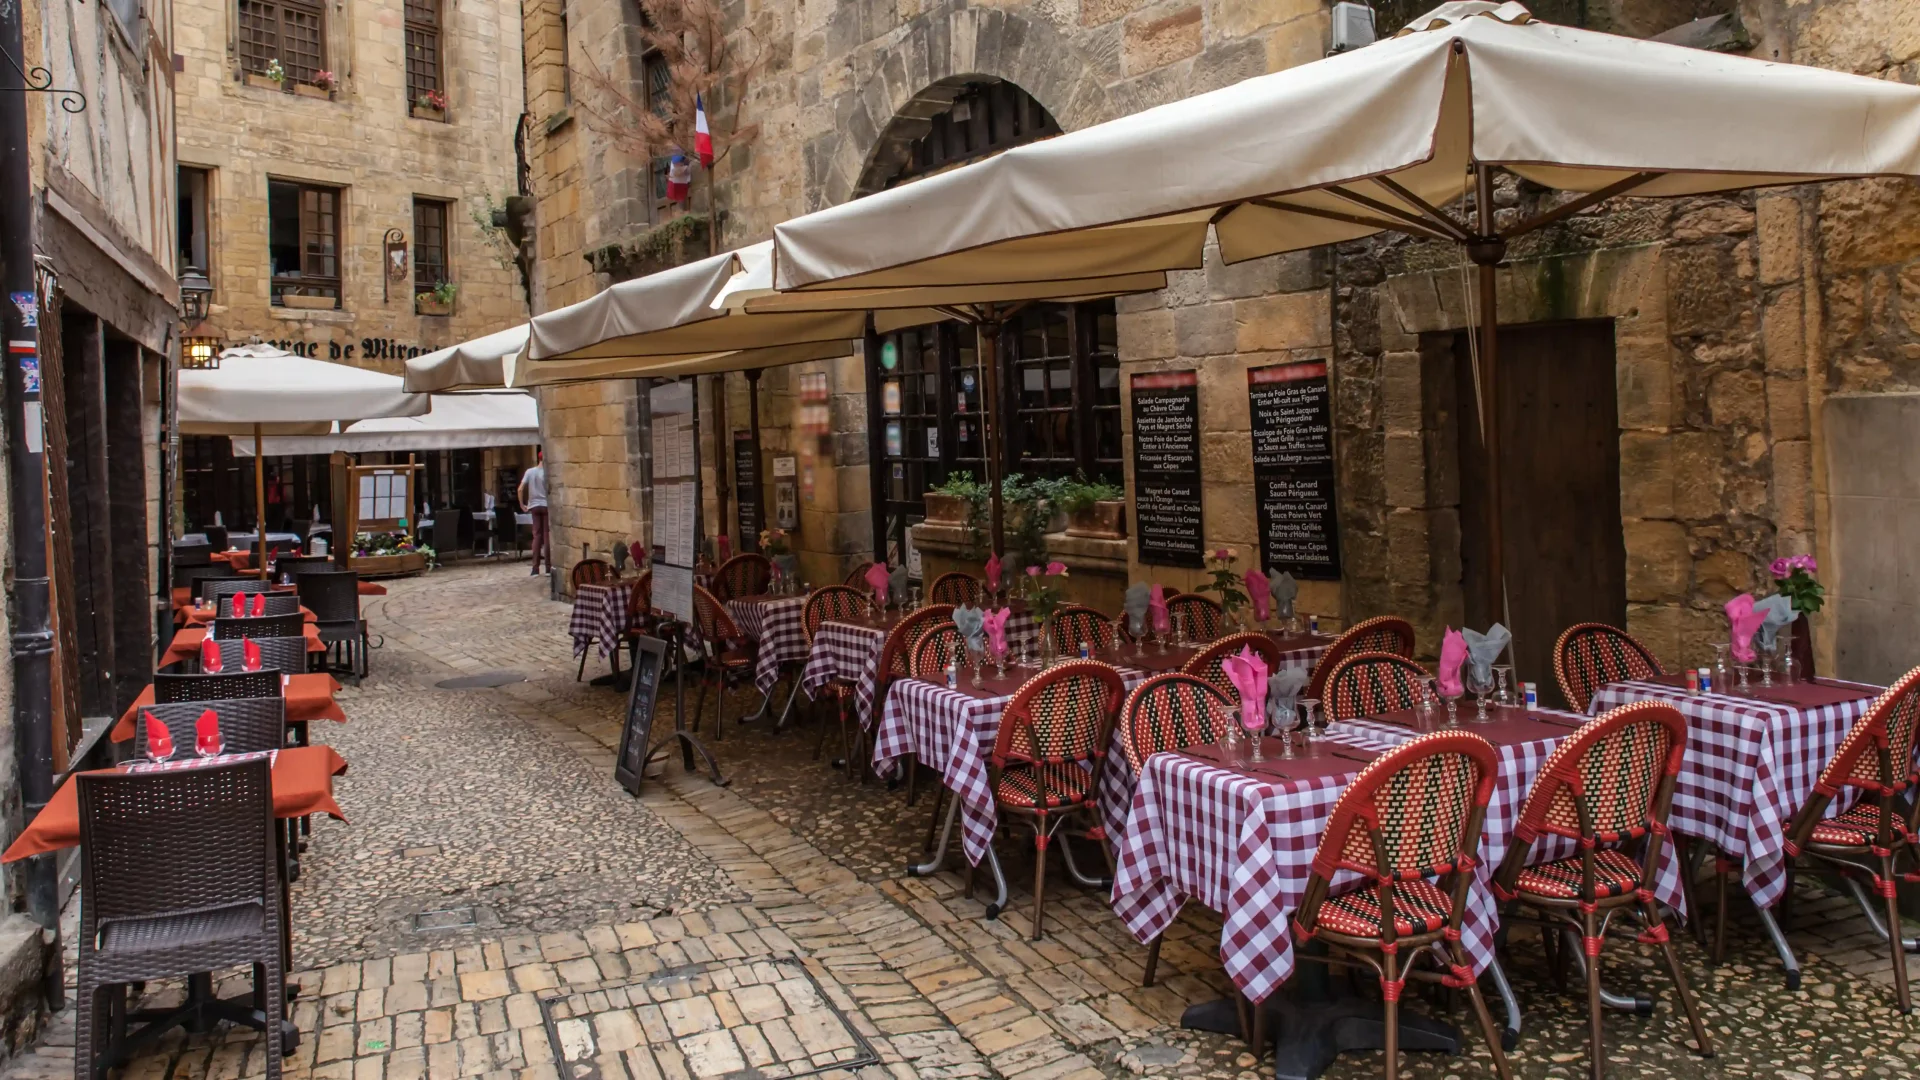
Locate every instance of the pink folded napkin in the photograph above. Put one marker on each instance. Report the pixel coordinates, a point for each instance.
(1453, 656)
(1157, 609)
(209, 654)
(1248, 673)
(159, 739)
(995, 624)
(877, 579)
(1260, 591)
(723, 546)
(206, 732)
(993, 573)
(1743, 621)
(259, 604)
(250, 655)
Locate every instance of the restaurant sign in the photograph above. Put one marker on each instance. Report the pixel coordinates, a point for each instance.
(1166, 468)
(1292, 416)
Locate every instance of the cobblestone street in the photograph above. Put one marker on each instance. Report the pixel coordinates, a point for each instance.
(497, 906)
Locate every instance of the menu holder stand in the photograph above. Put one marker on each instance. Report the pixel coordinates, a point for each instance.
(670, 643)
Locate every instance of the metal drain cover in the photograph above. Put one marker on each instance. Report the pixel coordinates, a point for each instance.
(454, 918)
(483, 681)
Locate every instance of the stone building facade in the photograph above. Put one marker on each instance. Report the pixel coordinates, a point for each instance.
(1730, 331)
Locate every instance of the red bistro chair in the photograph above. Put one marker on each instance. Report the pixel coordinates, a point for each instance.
(731, 656)
(896, 662)
(1046, 761)
(957, 588)
(1207, 663)
(1204, 617)
(1074, 623)
(746, 574)
(1590, 655)
(1411, 816)
(1371, 683)
(838, 603)
(1607, 787)
(1383, 633)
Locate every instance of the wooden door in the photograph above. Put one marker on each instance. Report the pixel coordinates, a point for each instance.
(1559, 435)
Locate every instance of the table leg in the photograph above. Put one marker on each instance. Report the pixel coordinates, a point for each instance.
(1780, 946)
(1510, 1034)
(1308, 1036)
(938, 859)
(786, 711)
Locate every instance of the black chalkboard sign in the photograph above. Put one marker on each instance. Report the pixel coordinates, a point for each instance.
(1291, 410)
(746, 485)
(1166, 468)
(649, 660)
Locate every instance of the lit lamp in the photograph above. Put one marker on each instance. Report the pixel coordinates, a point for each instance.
(200, 342)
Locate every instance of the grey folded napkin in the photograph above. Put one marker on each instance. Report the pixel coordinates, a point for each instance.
(1281, 584)
(897, 584)
(1484, 649)
(1777, 611)
(1139, 595)
(972, 623)
(1283, 696)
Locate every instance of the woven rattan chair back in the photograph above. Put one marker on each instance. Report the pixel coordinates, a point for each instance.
(957, 588)
(1074, 623)
(1414, 812)
(332, 595)
(1205, 620)
(1064, 714)
(175, 842)
(287, 655)
(266, 626)
(219, 591)
(1588, 656)
(1382, 633)
(838, 603)
(589, 572)
(1609, 781)
(271, 603)
(190, 555)
(896, 654)
(1170, 711)
(1371, 683)
(711, 619)
(169, 687)
(288, 567)
(857, 577)
(939, 645)
(640, 600)
(1877, 755)
(746, 574)
(1208, 662)
(247, 725)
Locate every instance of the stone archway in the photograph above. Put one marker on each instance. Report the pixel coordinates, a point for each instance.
(892, 157)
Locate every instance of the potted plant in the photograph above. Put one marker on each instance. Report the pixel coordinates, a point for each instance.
(1794, 577)
(1032, 509)
(431, 105)
(437, 301)
(1095, 509)
(778, 548)
(950, 503)
(274, 78)
(1044, 590)
(1227, 587)
(323, 86)
(389, 553)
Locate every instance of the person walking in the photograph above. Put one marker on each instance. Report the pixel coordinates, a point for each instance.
(533, 498)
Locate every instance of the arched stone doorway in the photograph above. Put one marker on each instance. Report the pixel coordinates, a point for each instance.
(951, 122)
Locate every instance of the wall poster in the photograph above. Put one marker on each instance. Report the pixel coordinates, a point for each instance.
(746, 486)
(1293, 479)
(676, 497)
(1166, 468)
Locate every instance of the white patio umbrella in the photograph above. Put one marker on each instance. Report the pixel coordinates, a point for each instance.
(464, 421)
(1376, 139)
(262, 390)
(470, 365)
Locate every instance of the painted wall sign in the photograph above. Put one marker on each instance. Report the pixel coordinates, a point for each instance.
(1291, 409)
(1167, 525)
(746, 482)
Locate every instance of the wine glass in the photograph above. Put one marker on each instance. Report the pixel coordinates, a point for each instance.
(1429, 695)
(209, 745)
(1721, 650)
(1000, 660)
(1254, 721)
(1453, 704)
(1766, 656)
(1479, 680)
(1310, 719)
(1503, 674)
(974, 657)
(1745, 669)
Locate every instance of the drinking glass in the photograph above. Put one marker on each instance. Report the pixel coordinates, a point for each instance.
(1000, 661)
(1254, 722)
(1310, 720)
(913, 598)
(1161, 637)
(1453, 705)
(1765, 657)
(1429, 695)
(1479, 680)
(973, 667)
(1503, 673)
(209, 747)
(1232, 741)
(1721, 650)
(1745, 670)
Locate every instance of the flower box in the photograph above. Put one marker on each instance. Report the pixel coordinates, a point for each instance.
(424, 112)
(310, 303)
(264, 83)
(320, 92)
(428, 304)
(412, 562)
(944, 509)
(1104, 520)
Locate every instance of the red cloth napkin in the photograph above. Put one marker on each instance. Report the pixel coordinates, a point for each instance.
(159, 739)
(1453, 655)
(250, 655)
(1743, 621)
(1260, 591)
(878, 578)
(1157, 608)
(209, 654)
(206, 732)
(239, 607)
(993, 573)
(259, 604)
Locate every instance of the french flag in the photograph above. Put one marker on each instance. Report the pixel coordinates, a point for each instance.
(702, 137)
(679, 172)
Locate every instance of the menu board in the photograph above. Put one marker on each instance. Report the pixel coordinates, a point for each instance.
(746, 485)
(649, 658)
(1166, 468)
(676, 496)
(1292, 416)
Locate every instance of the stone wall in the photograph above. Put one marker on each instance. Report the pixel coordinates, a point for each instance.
(364, 140)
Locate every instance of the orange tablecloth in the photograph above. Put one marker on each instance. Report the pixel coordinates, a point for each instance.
(302, 785)
(186, 643)
(309, 696)
(193, 616)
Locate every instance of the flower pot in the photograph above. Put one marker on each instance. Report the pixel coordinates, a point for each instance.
(321, 92)
(427, 112)
(412, 562)
(1800, 646)
(1104, 520)
(1055, 518)
(310, 303)
(264, 83)
(428, 304)
(944, 509)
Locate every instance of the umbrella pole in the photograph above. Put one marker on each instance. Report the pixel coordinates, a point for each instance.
(1486, 250)
(260, 499)
(987, 333)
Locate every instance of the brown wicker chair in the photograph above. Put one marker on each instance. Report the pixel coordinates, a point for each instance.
(334, 598)
(226, 628)
(219, 590)
(589, 572)
(1371, 683)
(1046, 761)
(1866, 844)
(1607, 787)
(730, 657)
(1384, 633)
(746, 574)
(247, 725)
(1203, 616)
(272, 603)
(1074, 623)
(957, 588)
(837, 603)
(1588, 656)
(937, 646)
(1412, 815)
(896, 662)
(208, 897)
(287, 655)
(170, 687)
(1167, 712)
(857, 577)
(1206, 664)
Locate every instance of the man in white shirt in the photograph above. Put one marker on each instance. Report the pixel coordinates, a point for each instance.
(533, 497)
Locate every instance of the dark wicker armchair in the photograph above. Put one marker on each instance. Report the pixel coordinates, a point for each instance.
(227, 628)
(170, 687)
(247, 725)
(287, 655)
(334, 598)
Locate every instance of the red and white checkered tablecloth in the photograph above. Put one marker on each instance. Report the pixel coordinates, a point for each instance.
(599, 613)
(1750, 765)
(852, 651)
(775, 622)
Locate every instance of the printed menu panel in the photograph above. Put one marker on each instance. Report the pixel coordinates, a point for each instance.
(1293, 478)
(1167, 525)
(676, 495)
